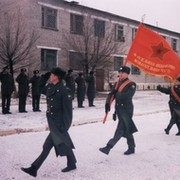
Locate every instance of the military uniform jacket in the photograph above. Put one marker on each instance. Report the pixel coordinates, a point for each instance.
(91, 86)
(70, 83)
(35, 80)
(23, 84)
(124, 106)
(173, 102)
(7, 83)
(81, 88)
(59, 116)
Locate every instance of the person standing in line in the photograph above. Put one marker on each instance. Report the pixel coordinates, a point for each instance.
(7, 88)
(173, 102)
(23, 89)
(70, 83)
(123, 94)
(81, 90)
(91, 90)
(35, 91)
(59, 117)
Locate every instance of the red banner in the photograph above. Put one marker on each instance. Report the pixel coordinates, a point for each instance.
(151, 53)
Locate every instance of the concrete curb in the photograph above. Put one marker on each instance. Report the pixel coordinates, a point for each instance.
(75, 123)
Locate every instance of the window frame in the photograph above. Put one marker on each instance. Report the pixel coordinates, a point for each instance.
(44, 19)
(45, 53)
(118, 62)
(99, 28)
(174, 44)
(119, 33)
(76, 25)
(135, 70)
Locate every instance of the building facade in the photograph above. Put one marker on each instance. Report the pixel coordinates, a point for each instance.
(60, 26)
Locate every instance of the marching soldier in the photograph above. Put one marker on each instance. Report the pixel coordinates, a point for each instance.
(123, 94)
(59, 117)
(174, 104)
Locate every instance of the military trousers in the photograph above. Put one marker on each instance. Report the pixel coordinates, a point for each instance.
(48, 145)
(119, 133)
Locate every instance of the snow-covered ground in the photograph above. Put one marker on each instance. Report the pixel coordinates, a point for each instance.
(156, 157)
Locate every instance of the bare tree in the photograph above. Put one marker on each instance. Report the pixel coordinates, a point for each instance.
(95, 51)
(16, 41)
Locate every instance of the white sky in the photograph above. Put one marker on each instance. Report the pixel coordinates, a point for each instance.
(161, 13)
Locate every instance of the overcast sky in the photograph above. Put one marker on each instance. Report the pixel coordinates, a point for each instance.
(161, 13)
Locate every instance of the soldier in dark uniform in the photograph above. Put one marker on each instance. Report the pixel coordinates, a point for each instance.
(23, 89)
(7, 87)
(81, 89)
(70, 83)
(123, 94)
(91, 90)
(35, 91)
(173, 104)
(59, 117)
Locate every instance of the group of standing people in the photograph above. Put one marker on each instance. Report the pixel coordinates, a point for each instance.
(8, 86)
(81, 82)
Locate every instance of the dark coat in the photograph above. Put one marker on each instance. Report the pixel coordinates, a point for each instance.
(59, 116)
(70, 83)
(7, 83)
(91, 90)
(124, 107)
(81, 88)
(23, 84)
(35, 80)
(173, 102)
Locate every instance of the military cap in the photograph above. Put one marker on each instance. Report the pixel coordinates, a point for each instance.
(58, 72)
(125, 69)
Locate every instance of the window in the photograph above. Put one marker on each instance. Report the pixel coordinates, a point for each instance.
(76, 24)
(49, 18)
(99, 28)
(48, 59)
(75, 61)
(174, 44)
(118, 62)
(134, 30)
(135, 70)
(119, 33)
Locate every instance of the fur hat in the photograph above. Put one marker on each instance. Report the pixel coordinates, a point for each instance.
(58, 72)
(125, 69)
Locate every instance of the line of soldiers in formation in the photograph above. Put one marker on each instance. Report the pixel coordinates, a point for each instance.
(8, 87)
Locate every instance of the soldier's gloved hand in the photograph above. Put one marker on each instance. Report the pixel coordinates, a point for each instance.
(158, 87)
(114, 116)
(107, 107)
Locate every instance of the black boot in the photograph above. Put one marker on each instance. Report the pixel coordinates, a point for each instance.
(69, 168)
(106, 149)
(178, 133)
(31, 171)
(129, 151)
(166, 131)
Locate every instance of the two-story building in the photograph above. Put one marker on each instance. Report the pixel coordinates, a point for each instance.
(76, 36)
